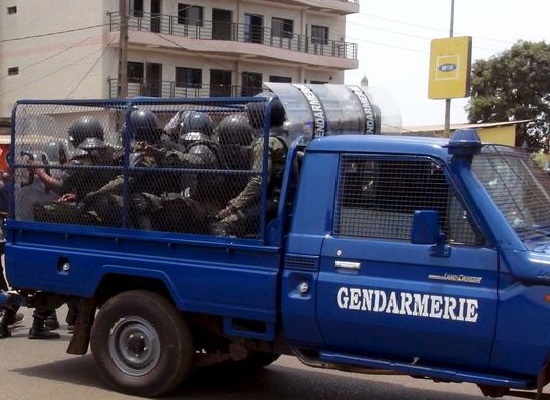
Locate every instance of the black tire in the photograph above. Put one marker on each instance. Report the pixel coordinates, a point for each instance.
(140, 344)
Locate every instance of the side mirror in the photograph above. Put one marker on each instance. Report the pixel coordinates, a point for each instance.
(425, 228)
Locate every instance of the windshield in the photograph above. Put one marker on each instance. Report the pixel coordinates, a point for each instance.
(518, 187)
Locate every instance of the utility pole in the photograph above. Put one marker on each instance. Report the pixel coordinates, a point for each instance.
(448, 101)
(122, 81)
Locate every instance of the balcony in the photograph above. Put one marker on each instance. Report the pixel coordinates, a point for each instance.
(169, 89)
(271, 47)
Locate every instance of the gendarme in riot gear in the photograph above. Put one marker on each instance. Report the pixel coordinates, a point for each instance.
(144, 126)
(189, 210)
(235, 135)
(195, 121)
(241, 216)
(86, 134)
(84, 128)
(255, 112)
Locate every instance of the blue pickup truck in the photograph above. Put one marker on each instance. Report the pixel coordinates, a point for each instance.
(422, 256)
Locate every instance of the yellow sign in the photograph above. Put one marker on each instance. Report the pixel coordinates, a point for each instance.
(450, 65)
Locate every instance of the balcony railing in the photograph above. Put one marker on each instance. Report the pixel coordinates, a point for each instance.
(169, 89)
(230, 31)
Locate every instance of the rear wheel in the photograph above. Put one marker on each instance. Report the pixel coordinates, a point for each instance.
(140, 343)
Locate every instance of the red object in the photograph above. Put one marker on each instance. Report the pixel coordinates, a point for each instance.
(4, 148)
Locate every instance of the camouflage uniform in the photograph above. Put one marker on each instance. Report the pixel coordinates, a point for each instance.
(79, 182)
(244, 210)
(189, 209)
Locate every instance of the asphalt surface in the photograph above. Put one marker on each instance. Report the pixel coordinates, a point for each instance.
(41, 370)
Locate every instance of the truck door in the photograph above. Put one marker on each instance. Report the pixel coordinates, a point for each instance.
(381, 296)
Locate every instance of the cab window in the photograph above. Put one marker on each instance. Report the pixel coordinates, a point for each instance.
(377, 198)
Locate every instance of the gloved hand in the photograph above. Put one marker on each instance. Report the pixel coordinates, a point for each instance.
(226, 212)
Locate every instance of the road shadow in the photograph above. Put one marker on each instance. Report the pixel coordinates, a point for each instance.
(276, 382)
(79, 370)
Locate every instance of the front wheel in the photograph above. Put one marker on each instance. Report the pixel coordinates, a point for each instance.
(140, 344)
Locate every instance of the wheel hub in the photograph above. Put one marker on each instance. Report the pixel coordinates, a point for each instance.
(134, 345)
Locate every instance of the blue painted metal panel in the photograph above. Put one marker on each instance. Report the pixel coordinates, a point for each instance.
(395, 306)
(236, 280)
(450, 374)
(522, 340)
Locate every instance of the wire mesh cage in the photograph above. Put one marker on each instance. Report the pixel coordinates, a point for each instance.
(146, 165)
(377, 198)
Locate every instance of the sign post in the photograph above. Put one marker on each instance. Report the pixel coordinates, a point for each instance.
(450, 65)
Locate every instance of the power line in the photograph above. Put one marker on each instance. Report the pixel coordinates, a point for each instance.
(50, 57)
(53, 33)
(390, 45)
(51, 73)
(388, 30)
(402, 22)
(428, 27)
(90, 69)
(492, 50)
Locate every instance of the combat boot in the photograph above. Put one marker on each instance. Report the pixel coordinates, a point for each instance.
(6, 314)
(38, 329)
(51, 323)
(15, 319)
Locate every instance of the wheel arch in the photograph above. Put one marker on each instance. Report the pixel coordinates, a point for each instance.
(109, 285)
(115, 282)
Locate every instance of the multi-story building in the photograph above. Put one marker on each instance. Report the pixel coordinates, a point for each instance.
(175, 48)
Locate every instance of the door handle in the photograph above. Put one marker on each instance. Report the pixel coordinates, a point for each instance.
(347, 265)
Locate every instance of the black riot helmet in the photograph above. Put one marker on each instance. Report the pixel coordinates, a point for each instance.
(205, 153)
(195, 121)
(172, 127)
(255, 112)
(144, 126)
(235, 129)
(92, 143)
(187, 139)
(84, 128)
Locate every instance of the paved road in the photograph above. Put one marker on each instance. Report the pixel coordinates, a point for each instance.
(41, 370)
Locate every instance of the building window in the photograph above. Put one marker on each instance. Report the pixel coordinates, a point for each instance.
(283, 79)
(12, 10)
(281, 27)
(136, 8)
(319, 34)
(188, 77)
(13, 71)
(220, 83)
(253, 28)
(135, 72)
(190, 15)
(318, 82)
(252, 83)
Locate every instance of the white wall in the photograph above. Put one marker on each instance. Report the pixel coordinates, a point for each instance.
(55, 56)
(57, 59)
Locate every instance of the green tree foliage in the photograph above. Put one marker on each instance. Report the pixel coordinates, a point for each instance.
(514, 86)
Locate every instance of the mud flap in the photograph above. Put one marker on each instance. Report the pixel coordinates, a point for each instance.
(84, 320)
